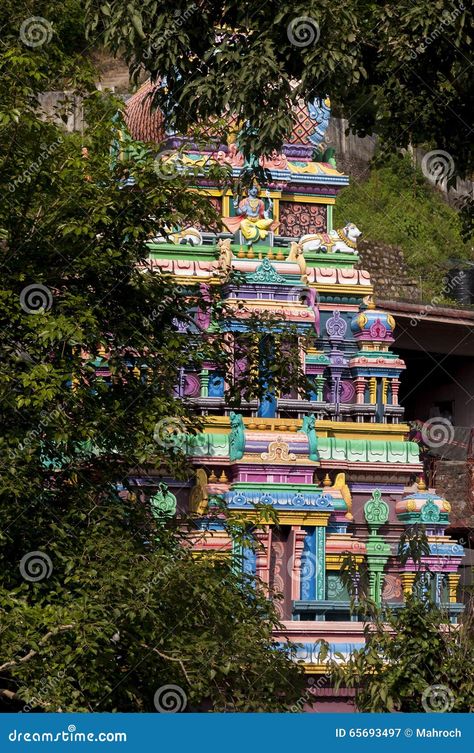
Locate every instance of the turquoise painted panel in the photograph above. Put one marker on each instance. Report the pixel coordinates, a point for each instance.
(308, 565)
(357, 450)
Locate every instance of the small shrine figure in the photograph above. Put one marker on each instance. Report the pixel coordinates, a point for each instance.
(163, 504)
(253, 218)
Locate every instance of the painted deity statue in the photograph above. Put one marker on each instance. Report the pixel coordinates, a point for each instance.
(253, 217)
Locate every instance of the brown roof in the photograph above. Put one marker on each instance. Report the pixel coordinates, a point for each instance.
(430, 311)
(147, 124)
(144, 123)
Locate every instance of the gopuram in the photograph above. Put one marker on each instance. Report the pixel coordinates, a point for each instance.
(334, 463)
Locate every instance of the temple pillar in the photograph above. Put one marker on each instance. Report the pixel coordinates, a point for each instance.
(204, 379)
(298, 536)
(319, 385)
(264, 538)
(453, 581)
(320, 562)
(378, 551)
(384, 390)
(395, 388)
(373, 390)
(359, 384)
(313, 564)
(408, 580)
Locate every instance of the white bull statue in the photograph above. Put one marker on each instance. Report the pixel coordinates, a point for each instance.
(343, 240)
(190, 235)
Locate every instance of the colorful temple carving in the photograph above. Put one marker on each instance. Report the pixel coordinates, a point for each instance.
(334, 464)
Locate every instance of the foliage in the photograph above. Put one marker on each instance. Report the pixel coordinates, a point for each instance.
(131, 619)
(413, 659)
(399, 68)
(111, 607)
(396, 206)
(406, 654)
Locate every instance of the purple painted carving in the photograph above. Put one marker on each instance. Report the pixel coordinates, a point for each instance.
(203, 315)
(240, 366)
(313, 299)
(336, 326)
(180, 324)
(346, 392)
(192, 385)
(378, 330)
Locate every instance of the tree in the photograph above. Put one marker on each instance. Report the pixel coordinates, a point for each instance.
(401, 69)
(101, 606)
(413, 660)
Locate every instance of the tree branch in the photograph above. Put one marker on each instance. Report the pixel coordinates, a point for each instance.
(33, 652)
(168, 658)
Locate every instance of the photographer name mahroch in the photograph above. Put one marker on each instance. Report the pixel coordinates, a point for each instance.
(438, 732)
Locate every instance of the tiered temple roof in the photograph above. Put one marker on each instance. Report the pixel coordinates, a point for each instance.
(334, 463)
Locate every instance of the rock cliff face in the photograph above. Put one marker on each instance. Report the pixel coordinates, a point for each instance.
(388, 271)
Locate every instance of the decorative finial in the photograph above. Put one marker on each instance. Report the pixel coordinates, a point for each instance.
(213, 477)
(327, 480)
(241, 253)
(421, 484)
(223, 478)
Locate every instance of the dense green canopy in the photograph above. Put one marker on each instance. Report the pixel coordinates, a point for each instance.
(100, 606)
(400, 68)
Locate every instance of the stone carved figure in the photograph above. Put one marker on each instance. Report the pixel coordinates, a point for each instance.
(190, 235)
(309, 428)
(237, 436)
(340, 484)
(297, 255)
(225, 256)
(252, 216)
(199, 495)
(163, 504)
(320, 111)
